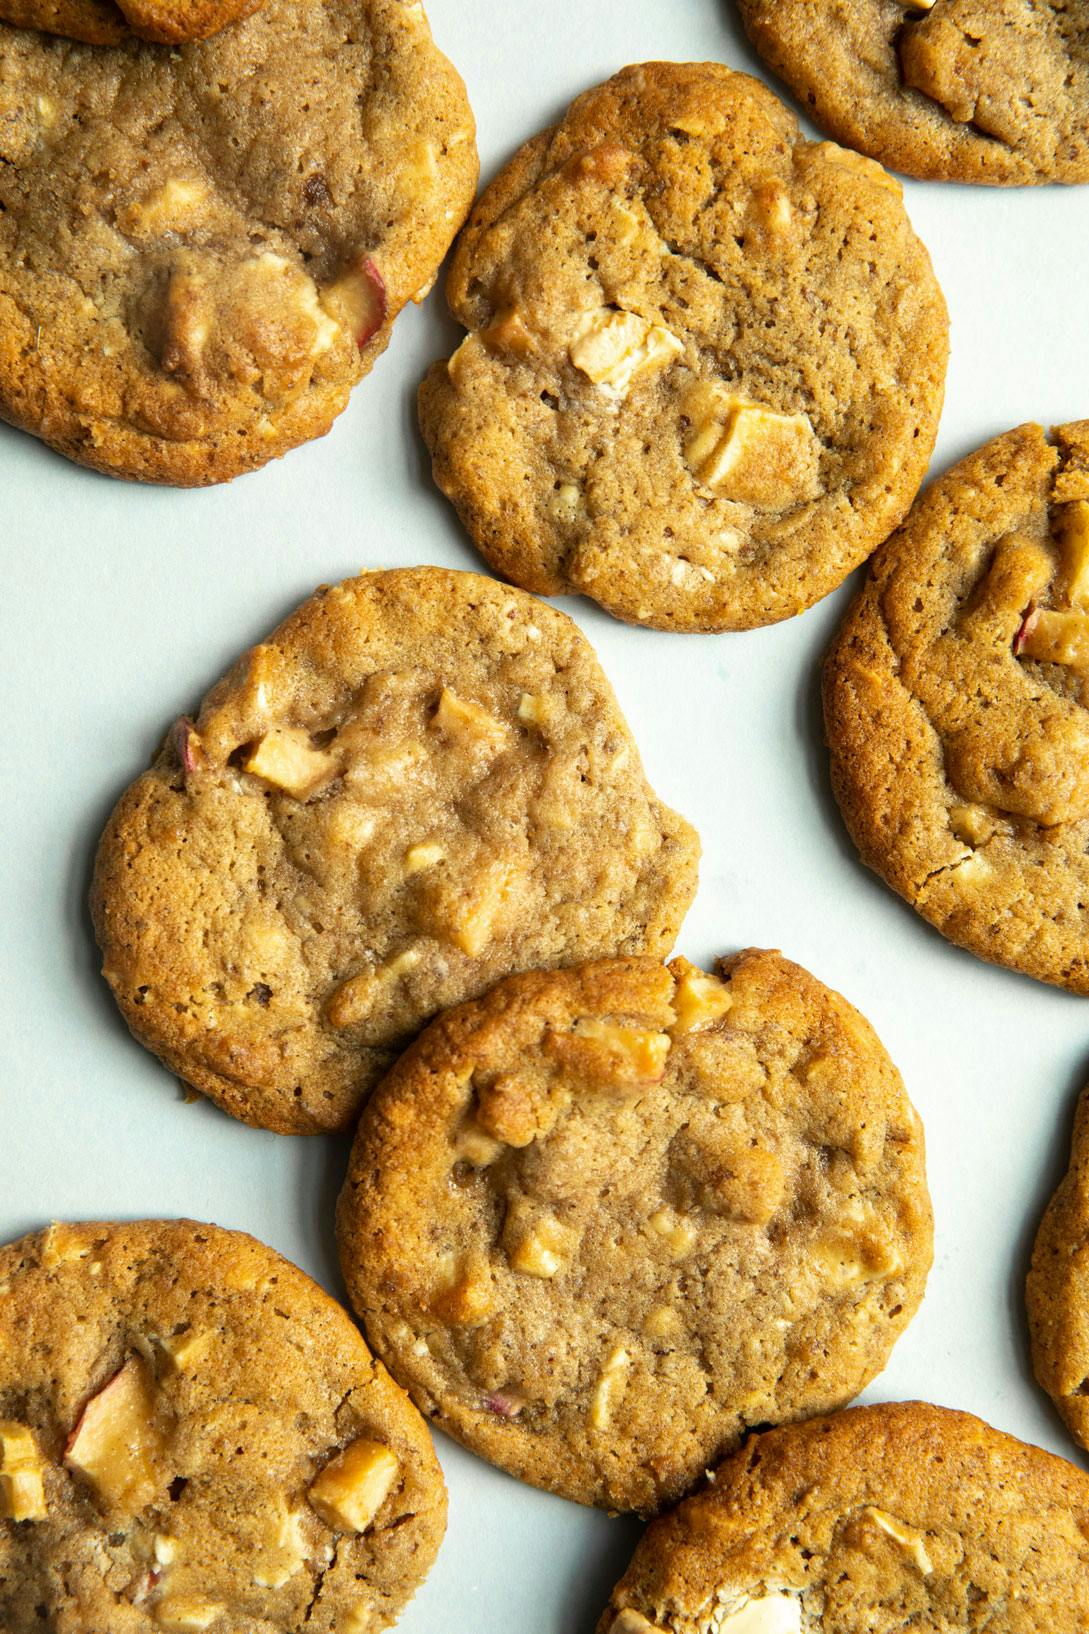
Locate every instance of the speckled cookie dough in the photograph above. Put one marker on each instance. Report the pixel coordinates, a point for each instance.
(1057, 1290)
(193, 1436)
(955, 701)
(203, 250)
(418, 784)
(705, 359)
(602, 1221)
(104, 22)
(874, 1521)
(960, 90)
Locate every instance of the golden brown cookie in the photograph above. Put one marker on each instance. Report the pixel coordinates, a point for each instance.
(961, 90)
(602, 1221)
(108, 22)
(875, 1521)
(419, 783)
(1057, 1290)
(203, 250)
(956, 699)
(705, 359)
(193, 1436)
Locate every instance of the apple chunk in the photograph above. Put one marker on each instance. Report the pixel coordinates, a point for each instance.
(22, 1495)
(352, 1488)
(119, 1444)
(357, 300)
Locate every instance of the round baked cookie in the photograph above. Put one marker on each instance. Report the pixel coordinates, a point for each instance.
(873, 1521)
(203, 250)
(952, 90)
(104, 22)
(418, 784)
(193, 1436)
(956, 701)
(602, 1221)
(1057, 1289)
(705, 358)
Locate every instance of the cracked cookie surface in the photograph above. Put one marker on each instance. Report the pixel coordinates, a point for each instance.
(878, 1519)
(193, 1436)
(603, 1220)
(960, 90)
(418, 784)
(203, 250)
(705, 358)
(1057, 1289)
(956, 698)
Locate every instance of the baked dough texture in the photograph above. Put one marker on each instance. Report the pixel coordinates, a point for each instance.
(874, 1521)
(108, 22)
(193, 1436)
(954, 90)
(956, 698)
(418, 784)
(602, 1221)
(1057, 1290)
(705, 359)
(203, 250)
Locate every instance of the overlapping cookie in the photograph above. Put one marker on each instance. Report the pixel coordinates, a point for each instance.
(874, 1521)
(419, 783)
(193, 1436)
(961, 90)
(956, 699)
(1057, 1290)
(705, 359)
(203, 251)
(602, 1221)
(109, 22)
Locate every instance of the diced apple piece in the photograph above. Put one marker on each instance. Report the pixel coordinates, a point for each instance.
(22, 1494)
(185, 1350)
(460, 718)
(535, 1243)
(633, 1622)
(749, 452)
(286, 759)
(425, 855)
(1075, 554)
(187, 746)
(699, 1000)
(358, 300)
(1055, 637)
(610, 1381)
(611, 1052)
(284, 1550)
(910, 1539)
(352, 1488)
(183, 1613)
(614, 348)
(118, 1445)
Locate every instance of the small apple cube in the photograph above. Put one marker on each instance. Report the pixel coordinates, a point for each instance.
(466, 913)
(358, 300)
(748, 452)
(612, 1053)
(460, 718)
(187, 746)
(118, 1445)
(614, 348)
(183, 1613)
(1075, 553)
(699, 1000)
(352, 1488)
(426, 855)
(22, 1495)
(1055, 637)
(286, 759)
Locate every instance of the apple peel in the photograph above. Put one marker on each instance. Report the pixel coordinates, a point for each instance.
(358, 300)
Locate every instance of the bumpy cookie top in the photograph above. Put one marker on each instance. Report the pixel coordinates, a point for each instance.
(705, 362)
(956, 702)
(202, 251)
(1057, 1290)
(193, 1436)
(872, 1522)
(962, 90)
(109, 22)
(418, 784)
(603, 1220)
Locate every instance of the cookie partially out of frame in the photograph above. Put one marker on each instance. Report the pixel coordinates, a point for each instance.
(203, 250)
(602, 1221)
(193, 1436)
(418, 784)
(956, 697)
(109, 22)
(957, 90)
(874, 1521)
(705, 358)
(1057, 1290)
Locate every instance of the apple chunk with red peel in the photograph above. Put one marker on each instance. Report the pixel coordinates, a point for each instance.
(120, 1443)
(357, 300)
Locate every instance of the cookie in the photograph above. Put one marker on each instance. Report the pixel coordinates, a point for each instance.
(203, 250)
(955, 699)
(873, 1521)
(420, 783)
(602, 1221)
(1057, 1289)
(102, 22)
(705, 359)
(193, 1436)
(952, 90)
